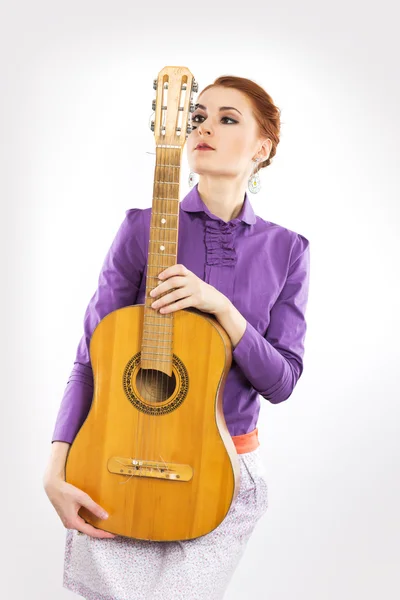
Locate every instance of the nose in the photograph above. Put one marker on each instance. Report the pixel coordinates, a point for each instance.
(204, 128)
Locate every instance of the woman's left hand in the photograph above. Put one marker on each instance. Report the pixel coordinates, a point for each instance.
(188, 290)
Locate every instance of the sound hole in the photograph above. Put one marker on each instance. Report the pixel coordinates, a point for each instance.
(155, 386)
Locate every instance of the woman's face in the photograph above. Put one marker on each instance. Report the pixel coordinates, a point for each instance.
(232, 133)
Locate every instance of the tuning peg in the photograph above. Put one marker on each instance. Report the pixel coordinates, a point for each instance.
(155, 84)
(195, 86)
(153, 105)
(191, 107)
(152, 126)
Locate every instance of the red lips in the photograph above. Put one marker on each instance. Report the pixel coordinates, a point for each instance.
(203, 145)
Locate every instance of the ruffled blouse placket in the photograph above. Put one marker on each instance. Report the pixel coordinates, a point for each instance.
(221, 255)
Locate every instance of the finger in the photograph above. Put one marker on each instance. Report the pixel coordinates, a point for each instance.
(157, 290)
(184, 303)
(173, 283)
(84, 527)
(86, 501)
(172, 297)
(170, 271)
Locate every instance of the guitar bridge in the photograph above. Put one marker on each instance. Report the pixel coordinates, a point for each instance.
(149, 468)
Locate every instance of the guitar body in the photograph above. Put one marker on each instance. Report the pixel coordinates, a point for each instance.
(154, 450)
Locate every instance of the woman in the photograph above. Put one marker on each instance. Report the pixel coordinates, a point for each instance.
(253, 275)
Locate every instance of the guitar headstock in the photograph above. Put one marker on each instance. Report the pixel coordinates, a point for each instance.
(174, 90)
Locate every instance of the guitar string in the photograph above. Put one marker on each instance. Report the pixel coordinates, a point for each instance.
(172, 164)
(162, 318)
(159, 319)
(166, 200)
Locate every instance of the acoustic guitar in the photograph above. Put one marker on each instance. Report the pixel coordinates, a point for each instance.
(154, 450)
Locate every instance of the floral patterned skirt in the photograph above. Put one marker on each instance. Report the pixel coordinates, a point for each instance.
(123, 568)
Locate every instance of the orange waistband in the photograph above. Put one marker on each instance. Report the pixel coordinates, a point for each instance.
(246, 442)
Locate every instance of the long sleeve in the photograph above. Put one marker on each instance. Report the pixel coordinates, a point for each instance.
(118, 286)
(273, 364)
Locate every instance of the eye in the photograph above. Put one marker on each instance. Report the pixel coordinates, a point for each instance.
(199, 115)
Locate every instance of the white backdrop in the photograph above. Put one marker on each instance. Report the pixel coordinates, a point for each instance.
(75, 105)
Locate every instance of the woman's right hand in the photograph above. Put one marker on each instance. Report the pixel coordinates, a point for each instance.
(67, 500)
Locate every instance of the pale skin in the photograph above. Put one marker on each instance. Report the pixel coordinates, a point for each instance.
(193, 291)
(223, 175)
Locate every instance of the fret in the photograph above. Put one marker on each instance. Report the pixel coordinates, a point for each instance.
(167, 360)
(168, 182)
(156, 338)
(152, 240)
(159, 198)
(162, 266)
(155, 316)
(157, 353)
(164, 228)
(164, 254)
(153, 313)
(152, 339)
(153, 212)
(156, 346)
(158, 327)
(173, 166)
(157, 333)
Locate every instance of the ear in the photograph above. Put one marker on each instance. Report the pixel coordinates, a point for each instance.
(265, 150)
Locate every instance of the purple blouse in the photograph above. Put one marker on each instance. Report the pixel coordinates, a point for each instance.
(262, 267)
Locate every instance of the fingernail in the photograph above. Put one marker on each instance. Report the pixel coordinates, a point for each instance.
(104, 515)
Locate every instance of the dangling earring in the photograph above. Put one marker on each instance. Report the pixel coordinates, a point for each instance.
(254, 183)
(192, 179)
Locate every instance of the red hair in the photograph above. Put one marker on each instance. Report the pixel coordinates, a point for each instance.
(265, 112)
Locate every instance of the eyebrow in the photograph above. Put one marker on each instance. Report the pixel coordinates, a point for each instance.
(220, 108)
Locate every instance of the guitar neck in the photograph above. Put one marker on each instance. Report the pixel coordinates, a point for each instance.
(163, 240)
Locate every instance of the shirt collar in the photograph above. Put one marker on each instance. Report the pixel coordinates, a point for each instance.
(192, 202)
